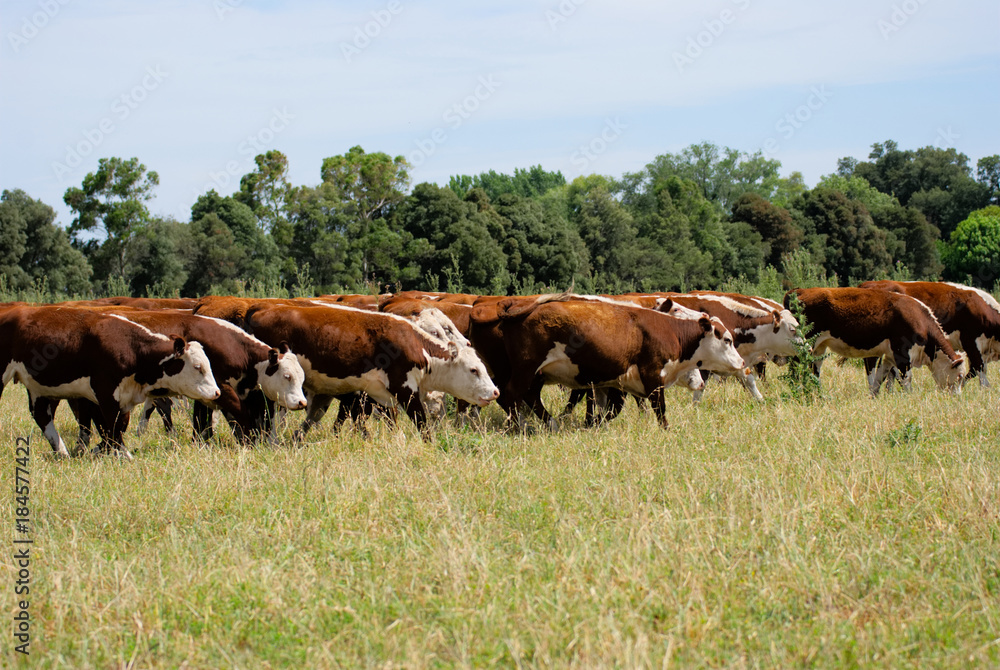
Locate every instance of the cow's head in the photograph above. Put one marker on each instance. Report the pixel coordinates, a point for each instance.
(187, 372)
(716, 351)
(281, 377)
(947, 371)
(461, 374)
(780, 337)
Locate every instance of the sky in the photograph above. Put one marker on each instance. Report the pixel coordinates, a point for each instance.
(196, 88)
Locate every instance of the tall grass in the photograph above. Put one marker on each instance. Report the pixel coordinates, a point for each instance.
(851, 532)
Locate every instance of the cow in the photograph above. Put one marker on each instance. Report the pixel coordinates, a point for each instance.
(60, 353)
(345, 350)
(243, 367)
(591, 344)
(864, 323)
(969, 316)
(758, 333)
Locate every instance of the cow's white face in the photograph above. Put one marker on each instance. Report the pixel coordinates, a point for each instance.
(947, 374)
(694, 381)
(195, 379)
(463, 376)
(281, 378)
(780, 336)
(716, 351)
(989, 347)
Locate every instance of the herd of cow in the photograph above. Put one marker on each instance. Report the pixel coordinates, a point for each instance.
(255, 359)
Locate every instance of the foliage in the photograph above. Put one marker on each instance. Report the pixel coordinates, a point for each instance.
(974, 248)
(112, 201)
(526, 183)
(801, 373)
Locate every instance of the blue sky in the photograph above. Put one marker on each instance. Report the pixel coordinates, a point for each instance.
(194, 88)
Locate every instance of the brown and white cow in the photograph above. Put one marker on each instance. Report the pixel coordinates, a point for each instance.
(347, 350)
(758, 333)
(969, 316)
(60, 353)
(243, 367)
(865, 323)
(591, 344)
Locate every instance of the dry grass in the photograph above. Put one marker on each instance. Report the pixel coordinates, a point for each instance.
(850, 532)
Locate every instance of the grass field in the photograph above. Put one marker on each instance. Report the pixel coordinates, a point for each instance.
(851, 532)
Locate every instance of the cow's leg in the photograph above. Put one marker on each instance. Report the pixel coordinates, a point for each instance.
(611, 401)
(84, 411)
(575, 396)
(977, 364)
(43, 411)
(201, 417)
(761, 370)
(316, 408)
(112, 422)
(659, 401)
(750, 384)
(164, 407)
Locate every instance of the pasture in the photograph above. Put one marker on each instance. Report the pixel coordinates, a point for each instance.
(849, 532)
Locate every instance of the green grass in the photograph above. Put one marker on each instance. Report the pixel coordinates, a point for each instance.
(849, 532)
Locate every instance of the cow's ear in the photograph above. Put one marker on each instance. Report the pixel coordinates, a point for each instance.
(956, 363)
(776, 318)
(272, 356)
(284, 348)
(180, 344)
(705, 323)
(666, 305)
(452, 349)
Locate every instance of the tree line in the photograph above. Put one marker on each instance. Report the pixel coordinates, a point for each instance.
(706, 217)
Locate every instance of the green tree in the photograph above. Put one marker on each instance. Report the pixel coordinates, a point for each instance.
(156, 258)
(368, 186)
(853, 246)
(458, 249)
(527, 183)
(988, 174)
(936, 181)
(265, 192)
(974, 248)
(261, 257)
(774, 225)
(216, 260)
(112, 201)
(721, 173)
(33, 247)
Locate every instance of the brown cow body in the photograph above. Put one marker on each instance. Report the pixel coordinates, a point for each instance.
(758, 332)
(864, 323)
(594, 344)
(243, 367)
(59, 353)
(344, 350)
(969, 316)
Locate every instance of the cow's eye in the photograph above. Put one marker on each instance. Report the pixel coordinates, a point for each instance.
(288, 377)
(475, 372)
(197, 366)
